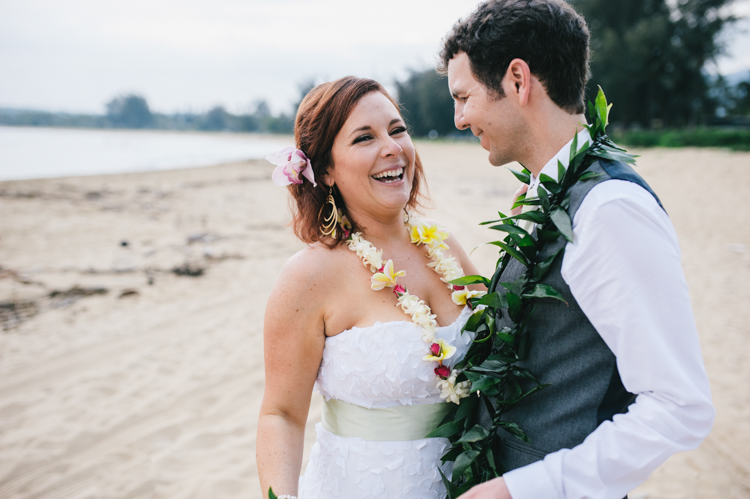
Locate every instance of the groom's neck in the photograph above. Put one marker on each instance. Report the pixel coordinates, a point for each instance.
(547, 133)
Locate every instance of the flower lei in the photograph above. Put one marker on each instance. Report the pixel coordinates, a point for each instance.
(384, 276)
(492, 362)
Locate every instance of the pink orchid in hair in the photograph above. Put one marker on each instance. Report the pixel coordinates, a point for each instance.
(291, 163)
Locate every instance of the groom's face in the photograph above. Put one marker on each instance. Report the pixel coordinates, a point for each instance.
(491, 119)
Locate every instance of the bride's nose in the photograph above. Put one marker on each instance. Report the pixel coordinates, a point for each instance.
(391, 148)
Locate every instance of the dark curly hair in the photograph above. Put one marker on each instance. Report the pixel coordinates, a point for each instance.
(548, 34)
(321, 114)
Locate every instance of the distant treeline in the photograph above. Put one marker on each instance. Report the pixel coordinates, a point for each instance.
(132, 111)
(650, 56)
(735, 138)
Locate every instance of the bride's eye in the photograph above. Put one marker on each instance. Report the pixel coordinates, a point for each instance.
(362, 138)
(398, 129)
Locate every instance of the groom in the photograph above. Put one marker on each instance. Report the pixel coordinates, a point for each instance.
(627, 383)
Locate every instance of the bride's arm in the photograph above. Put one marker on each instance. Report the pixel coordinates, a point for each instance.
(293, 339)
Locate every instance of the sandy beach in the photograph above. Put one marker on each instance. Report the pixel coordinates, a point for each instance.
(131, 317)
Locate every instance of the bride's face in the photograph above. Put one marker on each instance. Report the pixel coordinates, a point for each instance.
(373, 158)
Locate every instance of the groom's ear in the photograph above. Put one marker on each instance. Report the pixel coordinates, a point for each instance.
(517, 81)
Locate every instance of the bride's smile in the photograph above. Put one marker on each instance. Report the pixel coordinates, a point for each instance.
(390, 176)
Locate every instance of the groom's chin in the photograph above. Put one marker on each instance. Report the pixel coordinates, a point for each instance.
(497, 160)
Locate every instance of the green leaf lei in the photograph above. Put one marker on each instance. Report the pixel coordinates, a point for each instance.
(491, 364)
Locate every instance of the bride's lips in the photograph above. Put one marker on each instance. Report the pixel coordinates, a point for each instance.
(392, 175)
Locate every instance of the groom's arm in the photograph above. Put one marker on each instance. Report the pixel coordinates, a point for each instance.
(624, 270)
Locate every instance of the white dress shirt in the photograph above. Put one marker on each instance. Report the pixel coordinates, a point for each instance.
(623, 268)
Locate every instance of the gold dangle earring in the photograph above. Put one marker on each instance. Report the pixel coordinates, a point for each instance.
(332, 221)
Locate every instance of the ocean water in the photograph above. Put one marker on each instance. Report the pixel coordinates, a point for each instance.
(35, 152)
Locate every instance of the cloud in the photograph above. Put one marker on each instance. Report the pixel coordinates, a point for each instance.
(77, 54)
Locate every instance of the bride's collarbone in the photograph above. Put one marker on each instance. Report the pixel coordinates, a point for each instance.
(353, 303)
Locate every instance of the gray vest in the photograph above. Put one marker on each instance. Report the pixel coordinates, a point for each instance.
(567, 352)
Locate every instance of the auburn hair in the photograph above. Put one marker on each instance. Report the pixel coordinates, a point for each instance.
(320, 117)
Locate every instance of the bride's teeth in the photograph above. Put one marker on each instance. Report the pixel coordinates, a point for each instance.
(390, 173)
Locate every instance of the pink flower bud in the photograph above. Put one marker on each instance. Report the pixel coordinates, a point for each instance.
(458, 288)
(399, 290)
(443, 371)
(435, 349)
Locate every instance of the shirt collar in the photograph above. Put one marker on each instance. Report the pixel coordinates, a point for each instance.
(563, 155)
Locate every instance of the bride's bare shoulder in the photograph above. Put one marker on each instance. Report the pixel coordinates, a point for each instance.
(300, 294)
(315, 264)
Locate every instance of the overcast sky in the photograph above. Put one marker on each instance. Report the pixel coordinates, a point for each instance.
(75, 55)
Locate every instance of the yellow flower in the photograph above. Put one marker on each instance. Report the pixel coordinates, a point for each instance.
(462, 295)
(386, 278)
(414, 233)
(431, 235)
(439, 351)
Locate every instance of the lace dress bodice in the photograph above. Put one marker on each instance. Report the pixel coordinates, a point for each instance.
(376, 367)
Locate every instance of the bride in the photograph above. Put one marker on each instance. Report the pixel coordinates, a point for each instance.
(364, 313)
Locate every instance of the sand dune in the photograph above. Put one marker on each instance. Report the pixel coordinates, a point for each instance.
(131, 311)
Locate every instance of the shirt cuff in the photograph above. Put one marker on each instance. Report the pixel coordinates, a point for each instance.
(530, 482)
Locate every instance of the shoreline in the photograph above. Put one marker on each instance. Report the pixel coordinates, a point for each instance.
(74, 152)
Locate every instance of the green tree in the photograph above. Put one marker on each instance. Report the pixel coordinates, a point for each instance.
(279, 124)
(248, 123)
(740, 99)
(262, 110)
(129, 111)
(649, 57)
(267, 122)
(216, 119)
(427, 104)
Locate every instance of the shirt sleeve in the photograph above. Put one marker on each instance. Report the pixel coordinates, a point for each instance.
(624, 270)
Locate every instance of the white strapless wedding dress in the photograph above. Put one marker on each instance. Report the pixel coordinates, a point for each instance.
(377, 367)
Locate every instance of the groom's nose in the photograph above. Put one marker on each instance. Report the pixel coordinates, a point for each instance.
(458, 117)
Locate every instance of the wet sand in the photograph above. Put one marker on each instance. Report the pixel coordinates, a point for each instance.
(131, 310)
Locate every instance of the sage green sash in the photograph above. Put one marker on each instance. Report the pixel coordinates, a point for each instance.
(402, 422)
